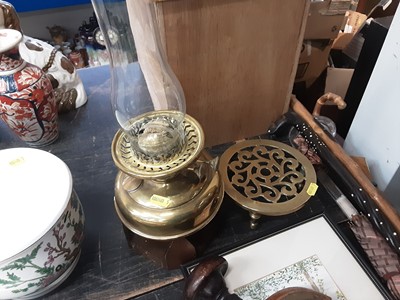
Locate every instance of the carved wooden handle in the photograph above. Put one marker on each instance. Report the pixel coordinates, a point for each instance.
(207, 281)
(336, 99)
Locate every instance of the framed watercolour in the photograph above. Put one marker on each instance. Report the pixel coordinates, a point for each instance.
(309, 255)
(309, 273)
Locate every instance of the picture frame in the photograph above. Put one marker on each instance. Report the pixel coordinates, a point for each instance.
(318, 237)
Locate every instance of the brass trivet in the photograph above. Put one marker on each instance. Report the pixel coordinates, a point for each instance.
(267, 177)
(129, 163)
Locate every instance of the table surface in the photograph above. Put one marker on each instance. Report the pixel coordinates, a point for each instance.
(108, 268)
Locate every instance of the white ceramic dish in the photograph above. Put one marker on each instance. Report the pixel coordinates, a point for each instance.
(41, 221)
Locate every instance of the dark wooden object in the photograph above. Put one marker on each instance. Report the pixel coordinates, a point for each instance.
(207, 281)
(245, 80)
(168, 254)
(171, 254)
(297, 293)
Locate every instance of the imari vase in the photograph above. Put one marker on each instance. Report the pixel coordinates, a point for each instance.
(27, 100)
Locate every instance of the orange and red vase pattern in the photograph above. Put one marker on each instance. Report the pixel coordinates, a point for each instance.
(27, 101)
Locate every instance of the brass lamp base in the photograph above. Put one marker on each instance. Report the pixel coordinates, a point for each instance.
(148, 211)
(166, 201)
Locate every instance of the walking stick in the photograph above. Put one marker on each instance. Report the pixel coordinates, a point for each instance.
(376, 244)
(365, 184)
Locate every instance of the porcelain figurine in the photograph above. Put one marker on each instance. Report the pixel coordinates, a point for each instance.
(58, 34)
(68, 87)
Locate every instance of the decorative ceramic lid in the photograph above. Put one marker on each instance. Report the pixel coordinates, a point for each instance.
(35, 190)
(9, 39)
(10, 60)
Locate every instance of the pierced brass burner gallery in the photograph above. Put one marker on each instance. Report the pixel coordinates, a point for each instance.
(267, 177)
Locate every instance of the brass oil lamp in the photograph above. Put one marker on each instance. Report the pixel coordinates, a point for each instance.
(166, 187)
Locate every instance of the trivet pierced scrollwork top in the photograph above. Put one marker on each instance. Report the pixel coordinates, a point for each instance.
(267, 177)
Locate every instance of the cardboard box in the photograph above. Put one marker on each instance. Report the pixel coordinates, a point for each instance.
(354, 22)
(338, 80)
(323, 21)
(313, 60)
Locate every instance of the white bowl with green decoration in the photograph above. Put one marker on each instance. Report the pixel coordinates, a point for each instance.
(41, 221)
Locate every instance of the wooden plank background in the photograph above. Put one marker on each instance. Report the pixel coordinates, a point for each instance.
(236, 60)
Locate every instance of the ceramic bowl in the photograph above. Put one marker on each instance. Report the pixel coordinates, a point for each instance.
(41, 221)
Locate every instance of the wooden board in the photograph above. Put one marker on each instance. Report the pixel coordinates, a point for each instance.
(235, 59)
